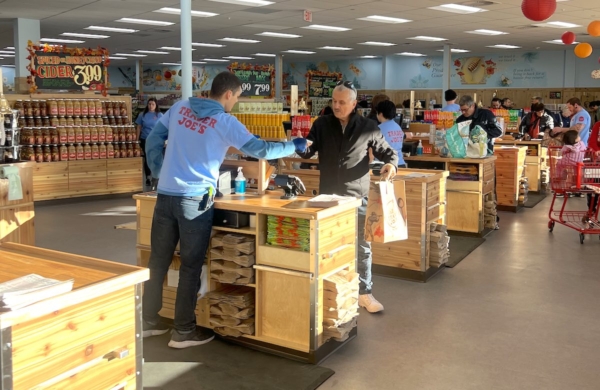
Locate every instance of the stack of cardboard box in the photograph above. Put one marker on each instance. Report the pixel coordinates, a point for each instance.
(340, 305)
(232, 310)
(438, 245)
(232, 258)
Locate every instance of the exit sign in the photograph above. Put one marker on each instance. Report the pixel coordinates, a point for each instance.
(307, 15)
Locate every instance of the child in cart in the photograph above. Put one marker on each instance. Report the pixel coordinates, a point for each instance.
(594, 144)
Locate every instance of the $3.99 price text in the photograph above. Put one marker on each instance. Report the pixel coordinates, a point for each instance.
(258, 88)
(81, 74)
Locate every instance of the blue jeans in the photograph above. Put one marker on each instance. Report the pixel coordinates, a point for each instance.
(188, 220)
(365, 259)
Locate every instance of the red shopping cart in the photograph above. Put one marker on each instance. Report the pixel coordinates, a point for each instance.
(568, 178)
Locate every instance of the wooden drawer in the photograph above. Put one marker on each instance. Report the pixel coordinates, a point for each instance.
(457, 185)
(283, 258)
(464, 211)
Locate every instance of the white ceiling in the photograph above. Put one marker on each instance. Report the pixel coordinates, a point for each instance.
(58, 16)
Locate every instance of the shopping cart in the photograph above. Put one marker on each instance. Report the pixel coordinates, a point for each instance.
(566, 179)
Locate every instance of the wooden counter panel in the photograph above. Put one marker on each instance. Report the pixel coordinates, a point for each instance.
(50, 178)
(460, 214)
(457, 185)
(489, 171)
(87, 175)
(124, 173)
(283, 258)
(26, 174)
(396, 255)
(337, 240)
(106, 375)
(17, 224)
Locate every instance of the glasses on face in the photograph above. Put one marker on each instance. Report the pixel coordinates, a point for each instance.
(347, 84)
(464, 109)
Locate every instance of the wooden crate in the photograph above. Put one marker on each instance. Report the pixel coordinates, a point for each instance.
(510, 166)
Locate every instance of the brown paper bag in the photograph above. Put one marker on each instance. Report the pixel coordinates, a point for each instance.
(386, 212)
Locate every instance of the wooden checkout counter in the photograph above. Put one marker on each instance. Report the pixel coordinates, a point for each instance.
(288, 287)
(536, 161)
(89, 338)
(17, 216)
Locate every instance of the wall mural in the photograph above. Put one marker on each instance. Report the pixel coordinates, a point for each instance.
(364, 74)
(164, 78)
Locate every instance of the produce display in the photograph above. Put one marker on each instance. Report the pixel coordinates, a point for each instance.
(264, 125)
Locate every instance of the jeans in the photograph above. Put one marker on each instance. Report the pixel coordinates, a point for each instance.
(147, 171)
(592, 198)
(365, 259)
(188, 220)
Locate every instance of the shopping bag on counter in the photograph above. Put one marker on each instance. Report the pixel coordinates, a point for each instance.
(477, 144)
(455, 143)
(386, 212)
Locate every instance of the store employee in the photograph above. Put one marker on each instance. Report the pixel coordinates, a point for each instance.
(391, 131)
(200, 131)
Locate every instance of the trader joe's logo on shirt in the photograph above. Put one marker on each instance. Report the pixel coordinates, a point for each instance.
(192, 122)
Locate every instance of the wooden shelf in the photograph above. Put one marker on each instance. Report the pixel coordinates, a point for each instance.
(244, 230)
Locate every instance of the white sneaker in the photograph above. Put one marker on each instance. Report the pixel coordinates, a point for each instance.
(369, 302)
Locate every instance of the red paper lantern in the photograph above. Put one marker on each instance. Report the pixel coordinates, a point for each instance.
(568, 38)
(538, 10)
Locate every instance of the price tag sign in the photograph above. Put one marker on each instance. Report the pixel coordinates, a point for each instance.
(307, 15)
(322, 85)
(64, 71)
(255, 82)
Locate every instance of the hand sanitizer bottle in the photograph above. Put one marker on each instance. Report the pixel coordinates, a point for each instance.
(240, 182)
(419, 151)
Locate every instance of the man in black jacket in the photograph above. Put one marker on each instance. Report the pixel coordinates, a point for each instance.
(482, 117)
(342, 141)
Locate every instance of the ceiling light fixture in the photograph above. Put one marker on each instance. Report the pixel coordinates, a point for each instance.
(558, 42)
(172, 48)
(118, 58)
(335, 48)
(239, 40)
(177, 11)
(249, 3)
(152, 52)
(215, 60)
(426, 38)
(170, 63)
(368, 56)
(144, 21)
(505, 47)
(279, 35)
(384, 19)
(486, 32)
(6, 52)
(299, 52)
(91, 36)
(198, 62)
(326, 28)
(61, 40)
(409, 54)
(373, 43)
(130, 55)
(9, 48)
(9, 66)
(238, 58)
(457, 50)
(457, 8)
(264, 55)
(112, 29)
(207, 44)
(557, 25)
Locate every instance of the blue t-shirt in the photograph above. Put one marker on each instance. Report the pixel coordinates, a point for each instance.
(393, 134)
(197, 146)
(147, 122)
(582, 117)
(451, 108)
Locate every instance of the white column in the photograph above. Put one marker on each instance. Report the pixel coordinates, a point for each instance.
(186, 48)
(24, 30)
(139, 74)
(278, 76)
(447, 63)
(383, 72)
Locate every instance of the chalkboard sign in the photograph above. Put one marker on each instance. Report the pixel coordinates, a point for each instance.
(321, 86)
(255, 82)
(72, 72)
(555, 95)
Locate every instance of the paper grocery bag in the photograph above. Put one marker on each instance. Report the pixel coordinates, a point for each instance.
(386, 212)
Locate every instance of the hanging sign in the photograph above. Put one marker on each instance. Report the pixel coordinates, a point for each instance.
(257, 80)
(307, 15)
(321, 84)
(59, 67)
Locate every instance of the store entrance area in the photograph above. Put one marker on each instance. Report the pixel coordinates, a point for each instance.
(519, 312)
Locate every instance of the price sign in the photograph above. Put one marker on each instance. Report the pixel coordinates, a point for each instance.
(64, 71)
(322, 85)
(255, 82)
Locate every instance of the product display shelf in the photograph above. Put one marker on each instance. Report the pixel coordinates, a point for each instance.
(536, 161)
(17, 222)
(464, 199)
(288, 286)
(87, 338)
(510, 167)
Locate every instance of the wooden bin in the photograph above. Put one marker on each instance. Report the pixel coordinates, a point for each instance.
(17, 216)
(536, 161)
(87, 338)
(509, 169)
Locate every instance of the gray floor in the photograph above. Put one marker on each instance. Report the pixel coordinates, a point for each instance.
(520, 312)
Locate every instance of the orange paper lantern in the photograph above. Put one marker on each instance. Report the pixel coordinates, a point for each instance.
(583, 50)
(538, 10)
(568, 38)
(594, 28)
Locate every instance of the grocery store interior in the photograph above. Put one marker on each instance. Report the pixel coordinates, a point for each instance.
(493, 287)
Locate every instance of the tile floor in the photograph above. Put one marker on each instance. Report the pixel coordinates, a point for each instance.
(521, 312)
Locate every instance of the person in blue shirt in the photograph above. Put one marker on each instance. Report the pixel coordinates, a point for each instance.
(200, 131)
(450, 97)
(391, 131)
(145, 122)
(580, 120)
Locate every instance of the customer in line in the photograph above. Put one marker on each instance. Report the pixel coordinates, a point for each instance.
(580, 121)
(327, 110)
(391, 131)
(450, 98)
(380, 97)
(342, 141)
(594, 144)
(537, 121)
(496, 103)
(507, 104)
(200, 131)
(145, 123)
(482, 117)
(594, 111)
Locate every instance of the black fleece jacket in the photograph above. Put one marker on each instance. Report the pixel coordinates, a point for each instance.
(487, 120)
(344, 156)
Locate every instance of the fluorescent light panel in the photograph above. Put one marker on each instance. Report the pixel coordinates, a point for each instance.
(409, 54)
(558, 42)
(457, 50)
(372, 43)
(368, 56)
(177, 11)
(426, 38)
(8, 55)
(215, 60)
(61, 40)
(198, 62)
(505, 47)
(152, 52)
(248, 3)
(9, 48)
(172, 48)
(91, 36)
(239, 40)
(486, 32)
(170, 63)
(335, 48)
(279, 35)
(207, 44)
(264, 55)
(557, 25)
(457, 8)
(144, 21)
(384, 19)
(238, 58)
(118, 58)
(130, 55)
(6, 52)
(299, 52)
(112, 29)
(326, 28)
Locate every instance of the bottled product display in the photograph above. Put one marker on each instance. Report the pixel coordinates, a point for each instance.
(264, 125)
(75, 129)
(510, 117)
(301, 125)
(441, 119)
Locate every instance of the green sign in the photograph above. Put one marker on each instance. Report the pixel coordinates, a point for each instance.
(65, 71)
(322, 86)
(255, 82)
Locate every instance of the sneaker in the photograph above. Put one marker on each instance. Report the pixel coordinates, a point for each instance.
(154, 329)
(369, 302)
(184, 340)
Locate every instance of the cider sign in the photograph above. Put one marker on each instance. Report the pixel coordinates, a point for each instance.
(55, 70)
